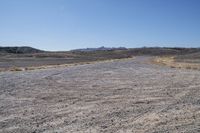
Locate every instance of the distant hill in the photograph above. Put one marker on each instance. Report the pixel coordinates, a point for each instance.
(19, 50)
(161, 51)
(99, 49)
(155, 51)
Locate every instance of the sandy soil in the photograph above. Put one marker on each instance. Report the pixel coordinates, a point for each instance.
(109, 97)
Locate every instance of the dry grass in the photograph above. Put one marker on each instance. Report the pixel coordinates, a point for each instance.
(16, 69)
(171, 62)
(59, 65)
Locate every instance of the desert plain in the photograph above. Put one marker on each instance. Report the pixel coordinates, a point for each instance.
(121, 96)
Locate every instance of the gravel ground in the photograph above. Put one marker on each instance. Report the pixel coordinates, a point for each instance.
(108, 97)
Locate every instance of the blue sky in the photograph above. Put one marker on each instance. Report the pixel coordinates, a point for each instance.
(71, 24)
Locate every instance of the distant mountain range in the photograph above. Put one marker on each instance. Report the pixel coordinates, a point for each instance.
(100, 49)
(130, 51)
(19, 50)
(30, 50)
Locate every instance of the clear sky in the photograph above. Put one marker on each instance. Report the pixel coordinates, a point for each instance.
(71, 24)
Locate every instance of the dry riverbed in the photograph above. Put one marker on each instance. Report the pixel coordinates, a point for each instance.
(109, 97)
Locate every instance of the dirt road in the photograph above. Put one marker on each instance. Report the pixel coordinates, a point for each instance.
(108, 97)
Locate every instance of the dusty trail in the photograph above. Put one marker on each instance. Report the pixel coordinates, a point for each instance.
(120, 96)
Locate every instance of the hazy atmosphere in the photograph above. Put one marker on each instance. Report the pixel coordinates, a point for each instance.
(70, 24)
